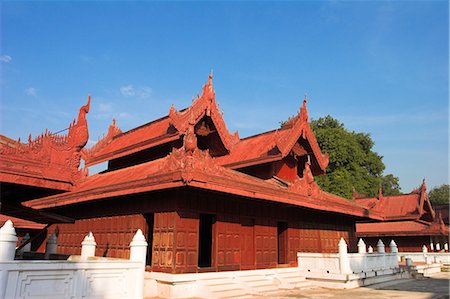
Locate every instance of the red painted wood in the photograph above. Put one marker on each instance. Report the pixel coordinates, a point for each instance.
(247, 243)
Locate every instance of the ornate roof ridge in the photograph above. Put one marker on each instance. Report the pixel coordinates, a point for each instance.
(204, 104)
(58, 154)
(300, 127)
(113, 131)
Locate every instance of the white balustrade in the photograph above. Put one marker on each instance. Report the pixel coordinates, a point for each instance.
(83, 276)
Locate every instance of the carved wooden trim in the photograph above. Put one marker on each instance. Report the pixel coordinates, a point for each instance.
(205, 104)
(299, 126)
(89, 154)
(50, 156)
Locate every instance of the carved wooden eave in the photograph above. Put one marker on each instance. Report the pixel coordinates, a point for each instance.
(306, 184)
(299, 127)
(49, 160)
(204, 105)
(88, 154)
(190, 166)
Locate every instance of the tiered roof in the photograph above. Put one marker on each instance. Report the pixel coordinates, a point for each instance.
(404, 215)
(169, 128)
(189, 165)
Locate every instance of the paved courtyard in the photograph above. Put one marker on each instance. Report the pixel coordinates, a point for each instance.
(435, 286)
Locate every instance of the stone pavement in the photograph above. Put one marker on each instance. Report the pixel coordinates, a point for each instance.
(435, 286)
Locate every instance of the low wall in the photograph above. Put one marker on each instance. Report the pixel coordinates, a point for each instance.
(331, 263)
(105, 278)
(84, 276)
(350, 270)
(426, 257)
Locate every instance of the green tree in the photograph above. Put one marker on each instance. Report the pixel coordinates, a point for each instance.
(440, 194)
(353, 163)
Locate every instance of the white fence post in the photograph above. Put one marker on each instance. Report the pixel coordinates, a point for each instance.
(138, 252)
(8, 241)
(344, 262)
(380, 246)
(51, 246)
(88, 246)
(381, 249)
(361, 246)
(370, 250)
(446, 247)
(438, 247)
(393, 247)
(431, 247)
(424, 249)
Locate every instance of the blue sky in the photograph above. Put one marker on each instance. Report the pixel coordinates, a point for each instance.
(379, 67)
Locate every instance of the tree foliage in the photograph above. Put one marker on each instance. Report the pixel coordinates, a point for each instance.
(440, 194)
(353, 163)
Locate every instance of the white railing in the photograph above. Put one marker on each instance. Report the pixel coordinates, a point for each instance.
(428, 257)
(349, 263)
(84, 276)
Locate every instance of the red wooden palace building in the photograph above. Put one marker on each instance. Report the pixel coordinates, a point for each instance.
(206, 199)
(409, 219)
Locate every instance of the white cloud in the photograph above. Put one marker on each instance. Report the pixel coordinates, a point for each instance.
(140, 92)
(127, 91)
(144, 92)
(124, 115)
(104, 107)
(31, 91)
(5, 58)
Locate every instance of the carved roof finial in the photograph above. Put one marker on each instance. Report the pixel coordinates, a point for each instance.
(424, 185)
(87, 106)
(380, 191)
(304, 111)
(113, 122)
(208, 89)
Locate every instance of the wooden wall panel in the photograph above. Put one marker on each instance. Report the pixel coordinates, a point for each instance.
(163, 241)
(186, 249)
(266, 243)
(112, 234)
(247, 243)
(293, 244)
(228, 243)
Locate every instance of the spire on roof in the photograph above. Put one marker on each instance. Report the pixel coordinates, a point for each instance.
(424, 185)
(380, 191)
(304, 111)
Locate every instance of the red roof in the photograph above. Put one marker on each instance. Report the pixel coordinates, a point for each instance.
(20, 223)
(405, 206)
(400, 228)
(166, 129)
(261, 148)
(405, 215)
(197, 169)
(49, 161)
(277, 144)
(190, 166)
